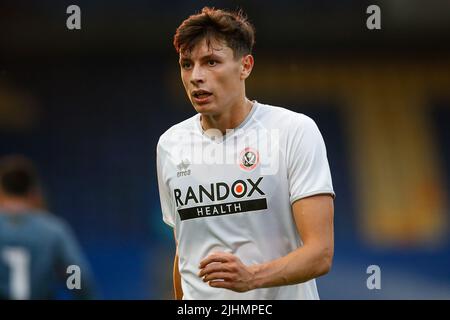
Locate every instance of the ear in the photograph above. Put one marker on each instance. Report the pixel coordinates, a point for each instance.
(247, 63)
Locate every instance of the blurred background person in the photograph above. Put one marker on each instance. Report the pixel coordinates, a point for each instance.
(36, 247)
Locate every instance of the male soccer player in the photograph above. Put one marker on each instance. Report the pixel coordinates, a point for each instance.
(36, 248)
(246, 186)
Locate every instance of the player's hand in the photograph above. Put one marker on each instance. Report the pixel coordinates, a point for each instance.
(225, 270)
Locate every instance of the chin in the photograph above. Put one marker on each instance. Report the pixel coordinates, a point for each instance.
(204, 109)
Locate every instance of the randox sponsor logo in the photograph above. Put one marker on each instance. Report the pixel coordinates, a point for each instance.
(218, 192)
(222, 209)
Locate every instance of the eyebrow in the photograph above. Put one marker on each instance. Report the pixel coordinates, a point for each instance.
(205, 57)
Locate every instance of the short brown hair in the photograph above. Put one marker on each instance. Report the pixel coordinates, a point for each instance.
(211, 23)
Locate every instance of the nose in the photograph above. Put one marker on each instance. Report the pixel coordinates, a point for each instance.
(197, 75)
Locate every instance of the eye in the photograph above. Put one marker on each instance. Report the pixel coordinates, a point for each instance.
(212, 63)
(186, 65)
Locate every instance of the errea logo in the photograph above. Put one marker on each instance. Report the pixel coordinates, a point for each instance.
(183, 168)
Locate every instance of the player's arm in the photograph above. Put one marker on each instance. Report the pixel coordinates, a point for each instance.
(178, 291)
(314, 221)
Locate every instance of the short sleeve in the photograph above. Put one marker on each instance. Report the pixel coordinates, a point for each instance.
(308, 169)
(164, 191)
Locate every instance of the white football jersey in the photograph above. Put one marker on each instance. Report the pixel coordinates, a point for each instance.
(233, 193)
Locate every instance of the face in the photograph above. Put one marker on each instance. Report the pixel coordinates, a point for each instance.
(213, 78)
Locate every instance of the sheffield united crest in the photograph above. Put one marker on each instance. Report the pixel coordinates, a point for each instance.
(248, 159)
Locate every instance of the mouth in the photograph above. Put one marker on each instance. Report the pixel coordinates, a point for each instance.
(201, 96)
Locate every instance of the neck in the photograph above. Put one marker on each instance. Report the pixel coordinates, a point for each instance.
(228, 120)
(15, 205)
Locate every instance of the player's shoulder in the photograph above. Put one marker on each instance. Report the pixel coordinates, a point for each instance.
(181, 128)
(42, 223)
(283, 117)
(49, 221)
